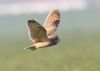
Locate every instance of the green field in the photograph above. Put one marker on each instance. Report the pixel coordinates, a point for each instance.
(75, 52)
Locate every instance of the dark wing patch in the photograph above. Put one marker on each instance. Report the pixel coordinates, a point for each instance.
(36, 32)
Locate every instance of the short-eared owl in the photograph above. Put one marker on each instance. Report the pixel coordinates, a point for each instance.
(43, 36)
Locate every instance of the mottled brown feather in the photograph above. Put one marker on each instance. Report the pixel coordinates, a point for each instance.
(51, 23)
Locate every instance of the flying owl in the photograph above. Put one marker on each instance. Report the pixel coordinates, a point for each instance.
(43, 36)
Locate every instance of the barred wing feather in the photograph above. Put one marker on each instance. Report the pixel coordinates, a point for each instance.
(52, 22)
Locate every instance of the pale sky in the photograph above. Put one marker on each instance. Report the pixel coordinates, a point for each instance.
(17, 7)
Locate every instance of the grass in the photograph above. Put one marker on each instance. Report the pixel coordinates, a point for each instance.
(75, 52)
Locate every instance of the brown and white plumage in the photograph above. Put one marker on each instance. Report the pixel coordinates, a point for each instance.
(51, 23)
(43, 36)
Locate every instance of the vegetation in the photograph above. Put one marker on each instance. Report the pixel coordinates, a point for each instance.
(75, 52)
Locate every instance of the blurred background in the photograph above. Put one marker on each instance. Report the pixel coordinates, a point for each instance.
(79, 32)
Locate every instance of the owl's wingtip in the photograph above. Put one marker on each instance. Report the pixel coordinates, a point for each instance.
(32, 21)
(55, 11)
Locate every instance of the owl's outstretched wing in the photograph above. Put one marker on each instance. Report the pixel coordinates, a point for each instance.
(52, 22)
(37, 33)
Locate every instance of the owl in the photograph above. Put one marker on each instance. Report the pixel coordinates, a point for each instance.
(44, 36)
